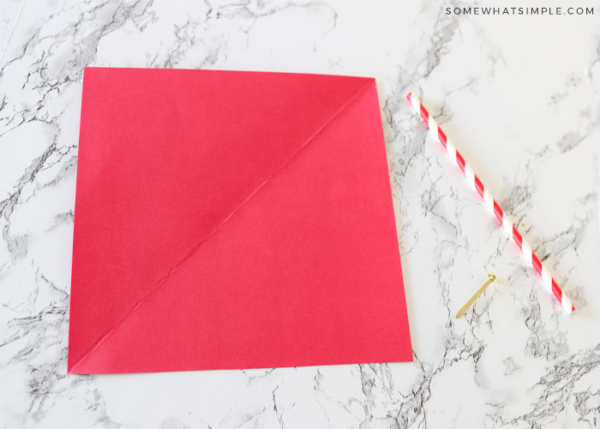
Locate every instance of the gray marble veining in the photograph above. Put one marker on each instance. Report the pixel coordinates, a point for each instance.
(518, 95)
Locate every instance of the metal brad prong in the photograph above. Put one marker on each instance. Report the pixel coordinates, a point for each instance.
(491, 279)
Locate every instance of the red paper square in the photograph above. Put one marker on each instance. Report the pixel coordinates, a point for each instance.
(229, 220)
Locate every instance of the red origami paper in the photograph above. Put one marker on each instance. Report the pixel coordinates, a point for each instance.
(229, 220)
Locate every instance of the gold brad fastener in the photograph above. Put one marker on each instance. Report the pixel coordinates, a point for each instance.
(491, 279)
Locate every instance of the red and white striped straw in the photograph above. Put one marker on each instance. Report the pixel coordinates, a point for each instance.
(491, 202)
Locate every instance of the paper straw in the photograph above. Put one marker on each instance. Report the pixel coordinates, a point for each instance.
(491, 202)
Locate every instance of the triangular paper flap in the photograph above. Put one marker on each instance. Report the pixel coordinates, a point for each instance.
(265, 288)
(165, 157)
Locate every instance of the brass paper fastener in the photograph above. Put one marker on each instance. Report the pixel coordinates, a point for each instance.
(491, 279)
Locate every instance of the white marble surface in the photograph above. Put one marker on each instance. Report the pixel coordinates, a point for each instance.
(518, 95)
(9, 15)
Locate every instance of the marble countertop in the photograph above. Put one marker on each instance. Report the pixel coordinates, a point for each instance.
(519, 95)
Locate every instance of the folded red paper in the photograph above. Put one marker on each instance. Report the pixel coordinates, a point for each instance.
(229, 220)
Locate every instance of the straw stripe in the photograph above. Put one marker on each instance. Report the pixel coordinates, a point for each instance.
(479, 186)
(442, 137)
(460, 161)
(491, 202)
